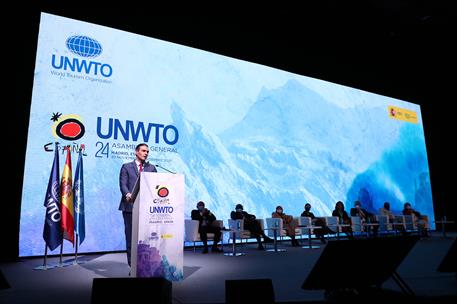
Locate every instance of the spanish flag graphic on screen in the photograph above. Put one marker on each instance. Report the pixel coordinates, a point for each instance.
(402, 114)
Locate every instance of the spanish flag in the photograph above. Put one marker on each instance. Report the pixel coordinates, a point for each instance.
(66, 188)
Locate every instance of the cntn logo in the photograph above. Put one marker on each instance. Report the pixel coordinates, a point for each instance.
(85, 47)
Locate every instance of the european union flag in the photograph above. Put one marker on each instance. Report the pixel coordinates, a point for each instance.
(78, 190)
(52, 231)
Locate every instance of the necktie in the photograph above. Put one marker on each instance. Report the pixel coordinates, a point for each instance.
(141, 167)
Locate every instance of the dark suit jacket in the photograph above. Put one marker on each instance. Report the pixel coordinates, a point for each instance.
(355, 212)
(308, 214)
(241, 215)
(209, 218)
(127, 179)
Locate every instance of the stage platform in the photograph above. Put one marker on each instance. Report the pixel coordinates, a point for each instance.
(205, 275)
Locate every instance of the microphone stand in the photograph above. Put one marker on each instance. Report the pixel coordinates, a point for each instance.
(158, 166)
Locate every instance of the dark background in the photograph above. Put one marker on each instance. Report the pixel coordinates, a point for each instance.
(401, 49)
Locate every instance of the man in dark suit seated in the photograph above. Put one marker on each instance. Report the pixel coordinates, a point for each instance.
(206, 220)
(251, 224)
(365, 216)
(317, 222)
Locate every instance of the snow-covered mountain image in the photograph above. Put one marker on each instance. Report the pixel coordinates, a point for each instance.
(293, 147)
(239, 132)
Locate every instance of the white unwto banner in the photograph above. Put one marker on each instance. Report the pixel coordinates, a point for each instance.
(158, 227)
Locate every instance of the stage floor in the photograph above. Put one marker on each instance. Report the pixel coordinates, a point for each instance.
(205, 275)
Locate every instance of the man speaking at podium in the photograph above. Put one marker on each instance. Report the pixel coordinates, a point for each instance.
(127, 179)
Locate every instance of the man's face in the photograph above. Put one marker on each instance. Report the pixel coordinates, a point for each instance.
(142, 153)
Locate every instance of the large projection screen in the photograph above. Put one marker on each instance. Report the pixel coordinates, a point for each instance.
(240, 132)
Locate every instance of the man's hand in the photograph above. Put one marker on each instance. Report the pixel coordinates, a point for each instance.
(128, 197)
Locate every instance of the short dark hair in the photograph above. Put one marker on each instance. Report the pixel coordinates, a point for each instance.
(279, 207)
(307, 204)
(357, 203)
(201, 203)
(140, 145)
(239, 206)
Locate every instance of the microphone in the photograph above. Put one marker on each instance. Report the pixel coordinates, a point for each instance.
(158, 166)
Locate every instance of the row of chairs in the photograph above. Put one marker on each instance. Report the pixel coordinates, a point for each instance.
(409, 222)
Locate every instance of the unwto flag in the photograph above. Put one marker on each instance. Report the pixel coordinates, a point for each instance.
(52, 231)
(78, 190)
(68, 224)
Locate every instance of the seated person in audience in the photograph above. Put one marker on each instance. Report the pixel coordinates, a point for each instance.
(288, 224)
(317, 222)
(365, 217)
(385, 210)
(421, 220)
(343, 218)
(251, 224)
(206, 220)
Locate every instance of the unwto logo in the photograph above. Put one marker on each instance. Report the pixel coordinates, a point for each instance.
(86, 47)
(161, 205)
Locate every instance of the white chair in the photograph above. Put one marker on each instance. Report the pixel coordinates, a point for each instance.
(332, 222)
(305, 221)
(298, 230)
(384, 225)
(413, 223)
(191, 231)
(356, 224)
(410, 222)
(399, 220)
(238, 225)
(241, 233)
(274, 222)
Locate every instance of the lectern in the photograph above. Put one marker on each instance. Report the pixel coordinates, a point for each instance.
(158, 226)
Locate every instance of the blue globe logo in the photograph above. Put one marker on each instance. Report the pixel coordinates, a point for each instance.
(84, 46)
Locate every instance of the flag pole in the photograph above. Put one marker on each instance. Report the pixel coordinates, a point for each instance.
(61, 253)
(52, 224)
(78, 205)
(76, 251)
(61, 263)
(45, 265)
(45, 262)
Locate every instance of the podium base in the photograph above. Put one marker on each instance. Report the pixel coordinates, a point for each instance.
(78, 262)
(276, 250)
(63, 264)
(234, 254)
(44, 267)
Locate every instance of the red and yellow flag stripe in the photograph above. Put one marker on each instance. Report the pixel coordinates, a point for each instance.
(66, 186)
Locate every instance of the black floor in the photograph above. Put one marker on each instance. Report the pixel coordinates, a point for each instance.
(205, 276)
